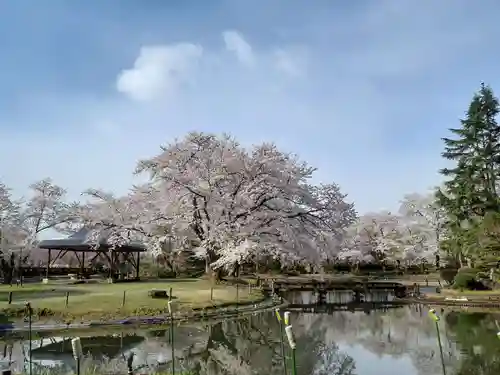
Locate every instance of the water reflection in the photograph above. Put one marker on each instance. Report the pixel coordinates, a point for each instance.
(385, 341)
(340, 297)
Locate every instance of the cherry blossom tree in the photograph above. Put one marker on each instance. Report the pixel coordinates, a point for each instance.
(12, 237)
(45, 208)
(374, 237)
(425, 222)
(231, 203)
(143, 215)
(24, 219)
(10, 224)
(410, 236)
(239, 202)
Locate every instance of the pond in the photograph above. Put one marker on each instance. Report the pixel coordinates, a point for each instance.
(399, 339)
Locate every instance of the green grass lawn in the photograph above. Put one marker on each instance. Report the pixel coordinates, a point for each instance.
(105, 301)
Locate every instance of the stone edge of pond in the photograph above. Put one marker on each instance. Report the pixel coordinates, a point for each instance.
(192, 316)
(443, 302)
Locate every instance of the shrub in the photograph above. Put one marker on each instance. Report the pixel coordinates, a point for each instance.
(466, 278)
(155, 293)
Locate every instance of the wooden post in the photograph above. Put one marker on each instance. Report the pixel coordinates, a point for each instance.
(170, 294)
(212, 293)
(137, 264)
(21, 266)
(111, 264)
(123, 300)
(67, 299)
(10, 298)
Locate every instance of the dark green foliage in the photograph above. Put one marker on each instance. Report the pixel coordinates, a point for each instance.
(477, 335)
(464, 280)
(7, 267)
(164, 268)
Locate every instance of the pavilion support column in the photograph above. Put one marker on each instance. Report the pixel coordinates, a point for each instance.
(137, 265)
(82, 266)
(48, 264)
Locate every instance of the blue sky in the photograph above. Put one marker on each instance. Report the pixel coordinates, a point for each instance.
(363, 90)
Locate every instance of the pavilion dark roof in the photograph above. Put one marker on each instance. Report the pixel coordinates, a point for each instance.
(80, 241)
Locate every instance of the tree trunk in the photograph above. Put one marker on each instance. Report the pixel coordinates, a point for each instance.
(207, 265)
(460, 261)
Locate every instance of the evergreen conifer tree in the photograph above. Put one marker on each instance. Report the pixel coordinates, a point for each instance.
(470, 191)
(471, 188)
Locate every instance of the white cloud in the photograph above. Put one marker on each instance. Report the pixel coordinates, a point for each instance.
(290, 61)
(236, 43)
(158, 70)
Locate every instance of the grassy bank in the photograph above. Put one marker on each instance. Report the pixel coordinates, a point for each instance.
(97, 371)
(90, 302)
(473, 295)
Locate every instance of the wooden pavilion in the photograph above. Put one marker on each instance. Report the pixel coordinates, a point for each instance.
(79, 245)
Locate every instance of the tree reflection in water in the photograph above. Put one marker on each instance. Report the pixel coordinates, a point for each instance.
(252, 346)
(333, 342)
(479, 344)
(332, 361)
